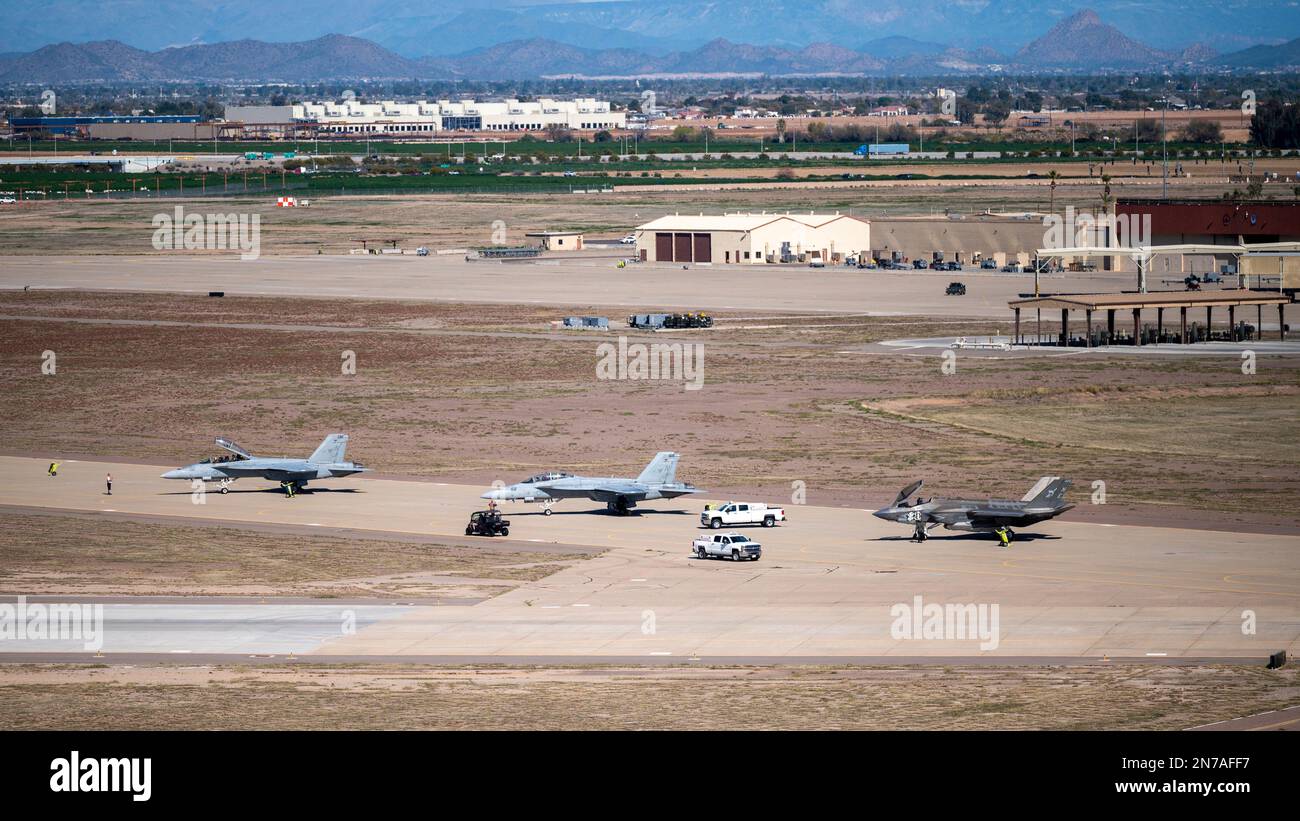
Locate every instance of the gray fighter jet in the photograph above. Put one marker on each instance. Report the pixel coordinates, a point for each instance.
(1044, 501)
(657, 481)
(326, 463)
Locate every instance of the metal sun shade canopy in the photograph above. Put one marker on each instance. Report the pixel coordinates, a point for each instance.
(1135, 302)
(1143, 254)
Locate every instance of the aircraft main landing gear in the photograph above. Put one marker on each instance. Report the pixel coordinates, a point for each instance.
(617, 507)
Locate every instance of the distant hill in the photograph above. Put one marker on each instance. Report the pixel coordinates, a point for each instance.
(1083, 42)
(1080, 43)
(68, 62)
(418, 28)
(330, 57)
(538, 57)
(1280, 56)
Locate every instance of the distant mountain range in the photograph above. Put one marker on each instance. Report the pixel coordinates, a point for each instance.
(419, 28)
(1081, 43)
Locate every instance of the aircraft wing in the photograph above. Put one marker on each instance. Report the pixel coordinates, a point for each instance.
(995, 515)
(260, 468)
(610, 491)
(280, 475)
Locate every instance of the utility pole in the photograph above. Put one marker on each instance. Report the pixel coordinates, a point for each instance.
(1164, 137)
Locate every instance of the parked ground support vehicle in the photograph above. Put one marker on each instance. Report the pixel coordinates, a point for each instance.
(734, 546)
(741, 513)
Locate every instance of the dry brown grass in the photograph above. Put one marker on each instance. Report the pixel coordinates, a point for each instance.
(71, 554)
(372, 697)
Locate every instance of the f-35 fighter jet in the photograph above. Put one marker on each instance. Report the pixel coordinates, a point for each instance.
(326, 463)
(1044, 501)
(657, 481)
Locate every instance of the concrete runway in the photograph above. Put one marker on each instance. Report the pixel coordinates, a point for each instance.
(554, 280)
(826, 587)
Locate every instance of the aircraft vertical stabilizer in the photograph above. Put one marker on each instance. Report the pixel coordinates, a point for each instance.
(662, 470)
(331, 451)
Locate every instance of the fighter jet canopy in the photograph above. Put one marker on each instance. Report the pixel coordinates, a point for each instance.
(546, 477)
(233, 448)
(908, 491)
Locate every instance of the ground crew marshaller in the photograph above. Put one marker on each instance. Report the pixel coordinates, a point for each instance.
(108, 482)
(54, 469)
(1003, 537)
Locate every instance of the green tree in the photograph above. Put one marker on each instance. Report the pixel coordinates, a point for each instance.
(1203, 131)
(1275, 125)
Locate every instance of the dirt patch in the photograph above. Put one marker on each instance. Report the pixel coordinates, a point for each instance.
(368, 697)
(52, 554)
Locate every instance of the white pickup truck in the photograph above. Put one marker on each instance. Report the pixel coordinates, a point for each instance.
(732, 545)
(741, 513)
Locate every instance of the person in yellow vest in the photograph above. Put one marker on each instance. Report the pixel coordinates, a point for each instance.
(1003, 537)
(54, 469)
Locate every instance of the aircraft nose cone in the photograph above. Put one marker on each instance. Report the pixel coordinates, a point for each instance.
(494, 493)
(174, 474)
(883, 513)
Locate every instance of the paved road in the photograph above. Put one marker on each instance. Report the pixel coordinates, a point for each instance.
(829, 584)
(579, 281)
(1284, 719)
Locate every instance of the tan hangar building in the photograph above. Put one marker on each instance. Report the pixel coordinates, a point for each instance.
(753, 238)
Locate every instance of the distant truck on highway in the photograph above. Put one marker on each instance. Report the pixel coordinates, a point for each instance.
(742, 513)
(732, 546)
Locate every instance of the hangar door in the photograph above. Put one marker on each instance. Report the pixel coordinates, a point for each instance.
(664, 247)
(704, 248)
(684, 247)
(681, 247)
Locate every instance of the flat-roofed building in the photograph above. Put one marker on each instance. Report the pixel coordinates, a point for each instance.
(1190, 222)
(391, 118)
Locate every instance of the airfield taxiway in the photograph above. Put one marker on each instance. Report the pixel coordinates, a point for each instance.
(556, 280)
(826, 587)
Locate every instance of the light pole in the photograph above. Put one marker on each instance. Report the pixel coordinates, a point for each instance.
(1164, 138)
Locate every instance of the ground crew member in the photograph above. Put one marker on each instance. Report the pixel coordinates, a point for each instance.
(54, 469)
(1003, 537)
(108, 480)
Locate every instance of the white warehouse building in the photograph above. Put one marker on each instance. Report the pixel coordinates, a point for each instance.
(753, 238)
(422, 118)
